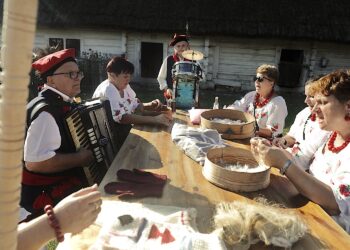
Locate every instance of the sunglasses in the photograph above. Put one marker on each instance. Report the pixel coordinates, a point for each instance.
(72, 75)
(261, 78)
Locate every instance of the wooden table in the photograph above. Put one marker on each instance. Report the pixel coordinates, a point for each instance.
(151, 148)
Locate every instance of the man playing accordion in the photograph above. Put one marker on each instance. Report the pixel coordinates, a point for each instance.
(52, 167)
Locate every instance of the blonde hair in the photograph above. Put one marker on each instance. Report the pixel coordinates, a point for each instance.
(336, 83)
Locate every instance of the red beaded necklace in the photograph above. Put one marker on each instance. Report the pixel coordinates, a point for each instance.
(313, 117)
(263, 103)
(331, 143)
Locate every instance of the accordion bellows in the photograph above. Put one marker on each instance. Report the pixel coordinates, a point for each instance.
(231, 180)
(229, 131)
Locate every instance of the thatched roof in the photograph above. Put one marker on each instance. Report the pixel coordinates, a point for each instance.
(325, 20)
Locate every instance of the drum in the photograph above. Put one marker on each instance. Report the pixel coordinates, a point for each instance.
(185, 92)
(186, 69)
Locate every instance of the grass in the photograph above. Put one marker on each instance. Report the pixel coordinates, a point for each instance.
(294, 100)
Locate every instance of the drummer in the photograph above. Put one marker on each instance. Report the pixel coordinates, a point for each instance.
(180, 44)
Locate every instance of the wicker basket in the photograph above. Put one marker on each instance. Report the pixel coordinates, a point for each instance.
(229, 131)
(234, 180)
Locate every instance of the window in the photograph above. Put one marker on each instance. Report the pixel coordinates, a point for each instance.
(70, 43)
(56, 42)
(75, 44)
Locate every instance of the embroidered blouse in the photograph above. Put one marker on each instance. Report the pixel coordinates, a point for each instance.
(119, 105)
(309, 137)
(333, 169)
(271, 116)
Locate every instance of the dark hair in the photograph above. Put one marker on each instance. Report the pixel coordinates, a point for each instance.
(336, 83)
(118, 65)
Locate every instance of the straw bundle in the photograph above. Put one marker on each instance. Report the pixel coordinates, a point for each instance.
(236, 181)
(242, 224)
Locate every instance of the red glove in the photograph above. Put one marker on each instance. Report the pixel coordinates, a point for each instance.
(141, 176)
(128, 190)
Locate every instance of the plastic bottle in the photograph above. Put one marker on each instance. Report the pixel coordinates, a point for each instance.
(216, 103)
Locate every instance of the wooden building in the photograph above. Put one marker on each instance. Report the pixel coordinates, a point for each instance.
(304, 38)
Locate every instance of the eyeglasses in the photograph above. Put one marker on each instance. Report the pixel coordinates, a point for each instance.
(74, 75)
(261, 78)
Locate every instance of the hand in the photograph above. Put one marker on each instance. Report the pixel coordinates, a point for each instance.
(163, 120)
(280, 142)
(156, 105)
(264, 152)
(86, 156)
(168, 94)
(79, 210)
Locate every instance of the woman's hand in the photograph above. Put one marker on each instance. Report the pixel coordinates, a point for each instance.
(168, 94)
(156, 105)
(280, 142)
(79, 210)
(270, 155)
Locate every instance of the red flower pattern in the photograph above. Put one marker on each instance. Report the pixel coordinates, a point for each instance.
(274, 127)
(295, 149)
(344, 190)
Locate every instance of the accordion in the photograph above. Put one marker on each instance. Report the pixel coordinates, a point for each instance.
(89, 126)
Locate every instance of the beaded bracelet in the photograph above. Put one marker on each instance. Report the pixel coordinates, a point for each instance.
(53, 222)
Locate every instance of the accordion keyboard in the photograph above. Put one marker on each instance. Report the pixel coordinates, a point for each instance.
(89, 128)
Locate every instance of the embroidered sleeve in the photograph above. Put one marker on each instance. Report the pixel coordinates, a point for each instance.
(340, 184)
(244, 103)
(305, 151)
(277, 114)
(114, 100)
(132, 100)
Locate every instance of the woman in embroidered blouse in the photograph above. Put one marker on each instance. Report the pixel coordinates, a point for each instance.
(126, 108)
(269, 109)
(304, 127)
(328, 183)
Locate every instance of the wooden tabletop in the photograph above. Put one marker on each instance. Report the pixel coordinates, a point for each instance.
(151, 148)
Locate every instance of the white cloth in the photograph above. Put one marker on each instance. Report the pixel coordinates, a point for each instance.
(196, 141)
(43, 135)
(304, 150)
(333, 170)
(271, 116)
(119, 105)
(136, 234)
